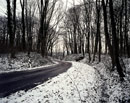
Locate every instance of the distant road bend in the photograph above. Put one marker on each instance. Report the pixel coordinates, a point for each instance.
(24, 80)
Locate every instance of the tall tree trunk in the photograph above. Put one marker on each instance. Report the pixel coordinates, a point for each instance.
(23, 25)
(100, 48)
(92, 41)
(44, 27)
(126, 30)
(88, 48)
(75, 41)
(121, 34)
(9, 27)
(107, 37)
(98, 30)
(14, 25)
(115, 41)
(106, 46)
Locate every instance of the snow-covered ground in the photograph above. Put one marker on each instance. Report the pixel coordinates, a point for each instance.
(23, 62)
(80, 84)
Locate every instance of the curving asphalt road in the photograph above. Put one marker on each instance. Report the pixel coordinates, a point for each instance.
(24, 80)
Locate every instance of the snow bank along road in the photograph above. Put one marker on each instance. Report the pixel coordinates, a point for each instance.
(24, 80)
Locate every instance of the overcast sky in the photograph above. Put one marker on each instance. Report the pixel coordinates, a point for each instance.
(3, 5)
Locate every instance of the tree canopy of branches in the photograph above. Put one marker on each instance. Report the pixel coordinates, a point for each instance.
(92, 24)
(32, 28)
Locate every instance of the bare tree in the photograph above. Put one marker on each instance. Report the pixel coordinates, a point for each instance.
(22, 2)
(126, 30)
(46, 10)
(88, 13)
(11, 25)
(115, 43)
(98, 35)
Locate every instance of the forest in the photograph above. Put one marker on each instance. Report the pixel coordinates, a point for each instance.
(54, 29)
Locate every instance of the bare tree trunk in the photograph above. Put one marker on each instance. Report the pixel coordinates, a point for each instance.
(100, 47)
(88, 24)
(10, 31)
(23, 25)
(121, 34)
(107, 37)
(89, 45)
(115, 43)
(14, 25)
(92, 41)
(75, 40)
(98, 37)
(106, 46)
(126, 30)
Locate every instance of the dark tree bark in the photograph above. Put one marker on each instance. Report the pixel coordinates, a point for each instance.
(22, 2)
(14, 16)
(88, 48)
(88, 22)
(107, 37)
(14, 23)
(126, 30)
(115, 43)
(98, 37)
(9, 27)
(27, 25)
(121, 32)
(75, 39)
(100, 47)
(45, 29)
(45, 18)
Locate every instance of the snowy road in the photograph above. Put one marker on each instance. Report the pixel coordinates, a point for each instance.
(24, 80)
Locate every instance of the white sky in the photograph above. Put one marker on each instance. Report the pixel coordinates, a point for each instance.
(3, 5)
